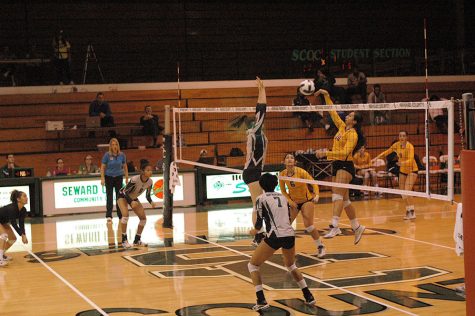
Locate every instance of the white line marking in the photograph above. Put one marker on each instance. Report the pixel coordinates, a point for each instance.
(79, 293)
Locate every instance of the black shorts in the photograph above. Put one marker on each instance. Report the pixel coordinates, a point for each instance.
(299, 205)
(251, 175)
(284, 242)
(348, 166)
(127, 198)
(414, 172)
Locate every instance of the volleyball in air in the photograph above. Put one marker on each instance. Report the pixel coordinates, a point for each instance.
(307, 87)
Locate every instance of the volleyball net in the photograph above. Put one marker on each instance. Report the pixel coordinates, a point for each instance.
(215, 138)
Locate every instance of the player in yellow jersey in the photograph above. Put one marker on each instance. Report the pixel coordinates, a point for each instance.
(301, 197)
(346, 142)
(407, 169)
(362, 162)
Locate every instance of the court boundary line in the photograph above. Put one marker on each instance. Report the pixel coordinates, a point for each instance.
(66, 282)
(310, 277)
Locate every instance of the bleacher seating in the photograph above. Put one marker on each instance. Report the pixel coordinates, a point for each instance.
(23, 117)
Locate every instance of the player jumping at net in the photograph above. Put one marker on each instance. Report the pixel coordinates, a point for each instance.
(8, 219)
(301, 197)
(255, 151)
(346, 143)
(128, 195)
(273, 208)
(407, 169)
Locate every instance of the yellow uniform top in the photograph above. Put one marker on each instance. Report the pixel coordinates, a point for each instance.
(298, 191)
(344, 141)
(362, 162)
(405, 157)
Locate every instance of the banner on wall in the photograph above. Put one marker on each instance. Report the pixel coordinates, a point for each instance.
(223, 186)
(6, 191)
(90, 193)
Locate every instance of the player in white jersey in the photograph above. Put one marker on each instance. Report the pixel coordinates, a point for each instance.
(128, 195)
(273, 209)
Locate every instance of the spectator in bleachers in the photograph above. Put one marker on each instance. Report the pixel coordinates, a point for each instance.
(62, 58)
(356, 86)
(362, 162)
(150, 125)
(377, 96)
(60, 169)
(438, 116)
(7, 170)
(101, 108)
(88, 167)
(309, 119)
(131, 166)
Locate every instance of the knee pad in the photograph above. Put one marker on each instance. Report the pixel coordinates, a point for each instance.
(252, 268)
(142, 222)
(336, 197)
(4, 237)
(124, 220)
(346, 203)
(310, 229)
(292, 267)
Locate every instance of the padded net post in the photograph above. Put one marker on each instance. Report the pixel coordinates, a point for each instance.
(167, 160)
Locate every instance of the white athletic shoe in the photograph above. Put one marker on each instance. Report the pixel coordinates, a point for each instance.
(460, 290)
(334, 231)
(140, 244)
(359, 233)
(321, 251)
(410, 214)
(3, 263)
(126, 245)
(260, 306)
(7, 258)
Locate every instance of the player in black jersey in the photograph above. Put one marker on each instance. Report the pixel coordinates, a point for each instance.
(256, 148)
(274, 209)
(128, 195)
(8, 219)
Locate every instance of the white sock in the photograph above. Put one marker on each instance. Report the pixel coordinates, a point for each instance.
(302, 284)
(354, 223)
(1, 254)
(318, 242)
(335, 220)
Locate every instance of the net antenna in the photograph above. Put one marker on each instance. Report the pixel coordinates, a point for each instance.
(426, 121)
(178, 139)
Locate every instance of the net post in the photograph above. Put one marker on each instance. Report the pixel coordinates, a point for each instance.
(469, 113)
(450, 150)
(167, 160)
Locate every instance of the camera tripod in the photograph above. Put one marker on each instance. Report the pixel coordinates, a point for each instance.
(91, 57)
